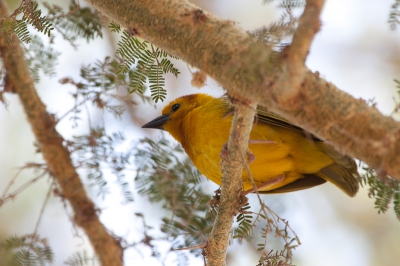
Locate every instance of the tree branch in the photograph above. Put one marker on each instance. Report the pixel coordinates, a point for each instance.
(294, 55)
(232, 185)
(54, 153)
(247, 68)
(309, 24)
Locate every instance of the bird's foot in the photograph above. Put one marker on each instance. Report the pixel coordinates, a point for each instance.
(214, 202)
(243, 201)
(224, 151)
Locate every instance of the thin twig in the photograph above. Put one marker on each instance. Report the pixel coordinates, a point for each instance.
(22, 188)
(42, 209)
(202, 245)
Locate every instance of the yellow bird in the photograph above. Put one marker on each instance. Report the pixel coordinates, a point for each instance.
(283, 152)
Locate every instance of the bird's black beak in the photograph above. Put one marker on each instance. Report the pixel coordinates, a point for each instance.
(157, 122)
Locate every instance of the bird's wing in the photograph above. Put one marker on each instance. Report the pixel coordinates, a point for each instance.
(275, 120)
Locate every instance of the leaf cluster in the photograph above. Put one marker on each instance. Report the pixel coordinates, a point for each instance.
(82, 259)
(274, 224)
(279, 34)
(26, 250)
(40, 58)
(31, 15)
(384, 190)
(244, 230)
(273, 259)
(96, 152)
(78, 22)
(99, 86)
(166, 176)
(150, 64)
(394, 15)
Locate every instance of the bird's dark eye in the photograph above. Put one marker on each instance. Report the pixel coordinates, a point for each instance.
(175, 107)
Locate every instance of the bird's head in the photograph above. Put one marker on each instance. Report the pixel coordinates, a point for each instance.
(175, 112)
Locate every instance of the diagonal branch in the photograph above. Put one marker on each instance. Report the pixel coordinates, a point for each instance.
(294, 55)
(309, 24)
(249, 69)
(54, 152)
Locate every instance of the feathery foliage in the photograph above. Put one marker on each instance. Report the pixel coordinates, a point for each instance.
(40, 58)
(245, 228)
(150, 64)
(99, 86)
(248, 220)
(96, 151)
(82, 259)
(383, 189)
(165, 175)
(273, 259)
(31, 16)
(26, 250)
(79, 22)
(394, 15)
(279, 34)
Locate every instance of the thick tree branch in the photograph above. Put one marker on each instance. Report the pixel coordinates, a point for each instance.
(55, 154)
(232, 185)
(247, 68)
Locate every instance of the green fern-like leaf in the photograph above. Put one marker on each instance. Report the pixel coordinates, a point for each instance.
(245, 227)
(21, 30)
(141, 72)
(394, 15)
(82, 259)
(165, 176)
(114, 27)
(274, 259)
(383, 192)
(27, 250)
(396, 202)
(145, 61)
(168, 67)
(79, 22)
(33, 16)
(40, 58)
(130, 49)
(157, 83)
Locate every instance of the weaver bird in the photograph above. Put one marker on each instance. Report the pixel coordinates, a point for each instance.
(286, 158)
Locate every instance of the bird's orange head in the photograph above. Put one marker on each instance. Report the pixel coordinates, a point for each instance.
(174, 114)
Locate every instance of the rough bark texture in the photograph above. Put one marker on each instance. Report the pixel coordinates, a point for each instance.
(232, 186)
(244, 67)
(55, 154)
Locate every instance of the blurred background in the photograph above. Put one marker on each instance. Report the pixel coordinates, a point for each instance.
(355, 50)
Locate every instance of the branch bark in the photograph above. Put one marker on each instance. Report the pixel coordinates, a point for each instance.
(57, 157)
(232, 185)
(244, 67)
(294, 56)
